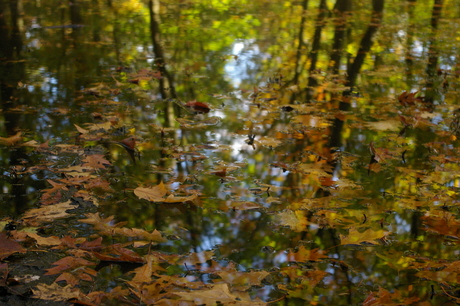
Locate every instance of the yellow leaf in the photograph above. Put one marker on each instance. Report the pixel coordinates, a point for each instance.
(368, 236)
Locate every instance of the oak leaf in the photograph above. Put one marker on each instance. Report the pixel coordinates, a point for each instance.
(47, 241)
(96, 161)
(117, 253)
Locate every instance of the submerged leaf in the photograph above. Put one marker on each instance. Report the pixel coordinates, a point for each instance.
(368, 236)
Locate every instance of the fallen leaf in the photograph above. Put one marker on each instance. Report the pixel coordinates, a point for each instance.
(368, 236)
(48, 213)
(12, 140)
(55, 292)
(157, 193)
(8, 247)
(47, 241)
(218, 293)
(117, 253)
(129, 143)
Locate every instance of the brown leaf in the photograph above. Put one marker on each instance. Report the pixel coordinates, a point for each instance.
(96, 161)
(8, 247)
(144, 274)
(119, 254)
(48, 213)
(55, 292)
(12, 140)
(67, 264)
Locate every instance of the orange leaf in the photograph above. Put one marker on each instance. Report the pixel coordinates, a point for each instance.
(129, 143)
(12, 140)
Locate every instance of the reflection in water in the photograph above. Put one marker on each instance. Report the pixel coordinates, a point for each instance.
(310, 164)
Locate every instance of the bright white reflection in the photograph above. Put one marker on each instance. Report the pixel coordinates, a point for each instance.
(236, 70)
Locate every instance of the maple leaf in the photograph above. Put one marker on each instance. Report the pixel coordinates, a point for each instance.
(47, 241)
(243, 280)
(396, 260)
(98, 183)
(72, 270)
(301, 281)
(52, 195)
(443, 223)
(296, 220)
(406, 99)
(68, 263)
(368, 236)
(96, 161)
(144, 274)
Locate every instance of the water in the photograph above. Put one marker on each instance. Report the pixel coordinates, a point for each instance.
(276, 177)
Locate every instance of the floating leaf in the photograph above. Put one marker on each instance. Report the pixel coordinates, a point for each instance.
(157, 193)
(12, 140)
(55, 292)
(48, 213)
(8, 247)
(218, 293)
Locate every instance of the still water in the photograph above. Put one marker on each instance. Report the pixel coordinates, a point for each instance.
(324, 155)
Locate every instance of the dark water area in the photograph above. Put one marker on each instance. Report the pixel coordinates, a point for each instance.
(289, 152)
